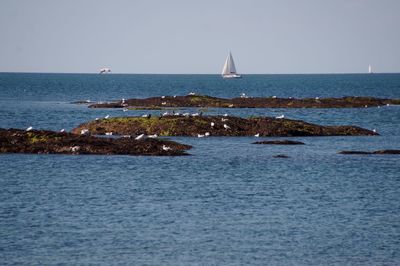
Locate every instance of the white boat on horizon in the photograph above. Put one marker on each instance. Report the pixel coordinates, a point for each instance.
(105, 70)
(229, 69)
(370, 69)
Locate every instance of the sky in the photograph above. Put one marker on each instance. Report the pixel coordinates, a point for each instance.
(185, 36)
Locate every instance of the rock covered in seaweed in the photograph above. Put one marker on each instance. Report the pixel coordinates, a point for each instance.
(43, 141)
(247, 102)
(216, 126)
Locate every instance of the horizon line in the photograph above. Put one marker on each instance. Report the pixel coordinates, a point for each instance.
(147, 73)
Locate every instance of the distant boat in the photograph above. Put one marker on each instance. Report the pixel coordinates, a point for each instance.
(229, 70)
(370, 69)
(105, 70)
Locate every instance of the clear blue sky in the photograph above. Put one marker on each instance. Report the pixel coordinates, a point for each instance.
(172, 36)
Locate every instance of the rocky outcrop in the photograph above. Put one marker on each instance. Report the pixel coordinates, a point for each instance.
(173, 125)
(371, 152)
(43, 141)
(279, 142)
(246, 102)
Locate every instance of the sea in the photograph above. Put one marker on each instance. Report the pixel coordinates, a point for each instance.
(229, 203)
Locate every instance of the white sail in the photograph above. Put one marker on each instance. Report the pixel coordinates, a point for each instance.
(369, 69)
(229, 69)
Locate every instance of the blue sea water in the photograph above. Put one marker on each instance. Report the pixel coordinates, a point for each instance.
(229, 203)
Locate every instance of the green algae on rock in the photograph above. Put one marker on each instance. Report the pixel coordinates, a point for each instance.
(44, 141)
(173, 125)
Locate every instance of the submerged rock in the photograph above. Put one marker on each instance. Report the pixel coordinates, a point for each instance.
(371, 152)
(43, 141)
(247, 102)
(172, 125)
(279, 142)
(281, 156)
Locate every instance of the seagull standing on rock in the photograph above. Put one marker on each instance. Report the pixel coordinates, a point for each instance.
(166, 148)
(141, 136)
(257, 135)
(280, 117)
(107, 117)
(212, 124)
(227, 127)
(29, 128)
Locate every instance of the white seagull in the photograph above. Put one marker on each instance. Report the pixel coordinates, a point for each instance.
(107, 116)
(212, 124)
(29, 128)
(84, 131)
(141, 136)
(153, 136)
(166, 148)
(226, 126)
(207, 134)
(62, 130)
(257, 135)
(200, 136)
(109, 133)
(280, 117)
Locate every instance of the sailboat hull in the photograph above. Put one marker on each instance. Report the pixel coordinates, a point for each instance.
(231, 76)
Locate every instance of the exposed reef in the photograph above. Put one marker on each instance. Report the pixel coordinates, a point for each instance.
(246, 102)
(279, 142)
(43, 141)
(196, 126)
(371, 152)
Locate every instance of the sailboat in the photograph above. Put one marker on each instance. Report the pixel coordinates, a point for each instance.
(229, 70)
(370, 69)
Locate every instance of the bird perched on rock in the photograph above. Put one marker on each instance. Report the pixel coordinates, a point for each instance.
(257, 135)
(140, 137)
(29, 128)
(212, 124)
(107, 116)
(166, 148)
(226, 126)
(280, 117)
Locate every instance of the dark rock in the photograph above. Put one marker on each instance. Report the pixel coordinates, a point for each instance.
(281, 156)
(279, 142)
(373, 152)
(43, 141)
(235, 126)
(256, 102)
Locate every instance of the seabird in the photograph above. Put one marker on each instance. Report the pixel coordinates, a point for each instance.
(212, 124)
(141, 136)
(96, 118)
(226, 126)
(224, 119)
(146, 116)
(107, 116)
(162, 97)
(153, 136)
(225, 114)
(29, 128)
(257, 135)
(62, 130)
(200, 136)
(84, 131)
(166, 148)
(109, 133)
(280, 117)
(123, 100)
(374, 130)
(195, 114)
(192, 93)
(316, 98)
(230, 106)
(274, 97)
(125, 109)
(164, 103)
(207, 134)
